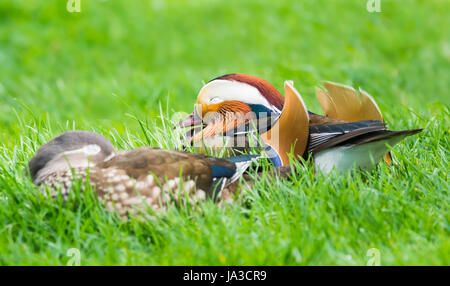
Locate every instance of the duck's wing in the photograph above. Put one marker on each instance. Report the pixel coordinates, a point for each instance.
(323, 137)
(326, 136)
(159, 177)
(343, 102)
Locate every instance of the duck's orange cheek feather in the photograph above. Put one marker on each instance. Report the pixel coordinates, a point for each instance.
(234, 106)
(223, 117)
(204, 109)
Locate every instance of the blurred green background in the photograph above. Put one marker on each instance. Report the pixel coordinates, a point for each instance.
(119, 57)
(116, 61)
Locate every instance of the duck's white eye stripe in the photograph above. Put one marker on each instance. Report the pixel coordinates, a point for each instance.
(88, 150)
(92, 149)
(215, 100)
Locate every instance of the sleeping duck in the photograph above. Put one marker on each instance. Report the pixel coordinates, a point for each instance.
(128, 181)
(350, 134)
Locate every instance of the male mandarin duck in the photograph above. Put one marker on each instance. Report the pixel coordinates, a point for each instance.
(351, 133)
(128, 181)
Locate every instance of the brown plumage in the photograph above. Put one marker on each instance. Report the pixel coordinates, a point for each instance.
(131, 181)
(315, 119)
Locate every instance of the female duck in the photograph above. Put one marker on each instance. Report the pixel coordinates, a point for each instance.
(130, 180)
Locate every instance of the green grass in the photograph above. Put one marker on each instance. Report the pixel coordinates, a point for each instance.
(117, 63)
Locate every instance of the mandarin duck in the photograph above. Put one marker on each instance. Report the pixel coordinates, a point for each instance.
(351, 133)
(128, 181)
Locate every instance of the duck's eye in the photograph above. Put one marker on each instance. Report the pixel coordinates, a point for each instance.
(215, 100)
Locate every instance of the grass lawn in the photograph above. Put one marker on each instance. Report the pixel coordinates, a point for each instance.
(117, 66)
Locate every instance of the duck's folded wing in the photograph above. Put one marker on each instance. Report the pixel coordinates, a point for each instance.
(241, 164)
(326, 136)
(170, 168)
